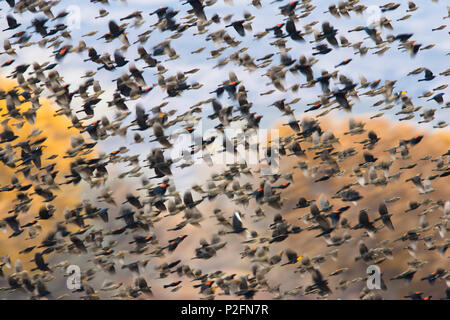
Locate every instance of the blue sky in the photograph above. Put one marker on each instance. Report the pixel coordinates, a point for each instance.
(392, 65)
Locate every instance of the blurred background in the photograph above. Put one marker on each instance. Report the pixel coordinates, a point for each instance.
(393, 65)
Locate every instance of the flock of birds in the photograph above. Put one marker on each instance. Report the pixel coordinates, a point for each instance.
(85, 231)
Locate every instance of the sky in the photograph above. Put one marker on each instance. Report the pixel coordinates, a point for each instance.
(393, 65)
